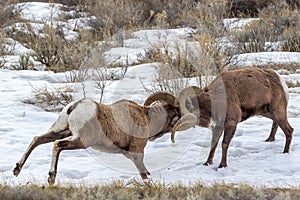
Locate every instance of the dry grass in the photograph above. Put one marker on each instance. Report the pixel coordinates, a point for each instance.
(118, 190)
(113, 15)
(291, 41)
(51, 99)
(8, 13)
(279, 22)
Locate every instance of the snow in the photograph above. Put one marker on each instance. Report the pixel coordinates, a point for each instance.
(128, 55)
(238, 23)
(134, 49)
(15, 47)
(13, 61)
(265, 58)
(250, 159)
(79, 22)
(39, 11)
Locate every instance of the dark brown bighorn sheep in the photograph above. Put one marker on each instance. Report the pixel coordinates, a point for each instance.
(122, 127)
(233, 97)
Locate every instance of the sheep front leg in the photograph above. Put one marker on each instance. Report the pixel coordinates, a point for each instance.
(38, 140)
(65, 144)
(216, 134)
(138, 160)
(271, 137)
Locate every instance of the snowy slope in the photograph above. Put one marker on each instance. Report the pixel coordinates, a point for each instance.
(250, 159)
(265, 58)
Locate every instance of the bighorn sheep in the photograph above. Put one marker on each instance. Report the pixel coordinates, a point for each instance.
(122, 127)
(232, 97)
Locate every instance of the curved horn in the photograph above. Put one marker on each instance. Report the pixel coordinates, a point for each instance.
(161, 96)
(188, 91)
(187, 119)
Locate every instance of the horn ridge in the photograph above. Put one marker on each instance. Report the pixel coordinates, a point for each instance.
(161, 96)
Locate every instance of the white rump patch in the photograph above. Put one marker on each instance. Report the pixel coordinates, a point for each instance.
(62, 121)
(284, 85)
(84, 116)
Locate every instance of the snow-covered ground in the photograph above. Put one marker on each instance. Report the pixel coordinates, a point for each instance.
(265, 58)
(250, 159)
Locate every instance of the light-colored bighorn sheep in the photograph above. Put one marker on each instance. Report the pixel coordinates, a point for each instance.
(232, 97)
(122, 127)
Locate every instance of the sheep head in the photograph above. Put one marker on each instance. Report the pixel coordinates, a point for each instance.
(189, 116)
(200, 105)
(179, 110)
(163, 115)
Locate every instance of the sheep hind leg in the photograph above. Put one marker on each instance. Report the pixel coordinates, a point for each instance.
(59, 145)
(286, 128)
(137, 159)
(38, 140)
(271, 137)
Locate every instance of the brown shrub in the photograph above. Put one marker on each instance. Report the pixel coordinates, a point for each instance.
(278, 22)
(291, 42)
(252, 8)
(8, 13)
(51, 99)
(53, 50)
(113, 15)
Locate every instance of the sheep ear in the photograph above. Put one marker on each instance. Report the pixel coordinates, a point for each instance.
(185, 122)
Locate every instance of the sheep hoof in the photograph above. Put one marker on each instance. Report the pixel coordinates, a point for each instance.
(270, 140)
(17, 169)
(51, 178)
(222, 165)
(208, 163)
(144, 175)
